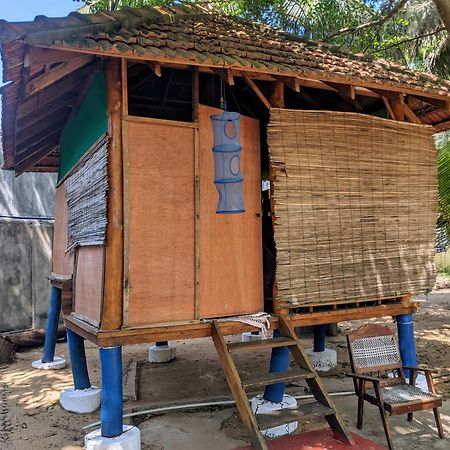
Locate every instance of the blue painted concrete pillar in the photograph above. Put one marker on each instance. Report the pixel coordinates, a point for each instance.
(54, 312)
(78, 360)
(407, 344)
(279, 362)
(319, 338)
(111, 407)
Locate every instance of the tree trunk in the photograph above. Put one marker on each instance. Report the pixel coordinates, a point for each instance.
(443, 7)
(32, 338)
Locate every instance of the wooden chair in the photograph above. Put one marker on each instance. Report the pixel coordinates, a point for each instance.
(374, 354)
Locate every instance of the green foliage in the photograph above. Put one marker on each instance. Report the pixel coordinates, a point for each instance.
(443, 157)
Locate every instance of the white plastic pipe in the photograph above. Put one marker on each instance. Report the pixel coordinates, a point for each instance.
(203, 404)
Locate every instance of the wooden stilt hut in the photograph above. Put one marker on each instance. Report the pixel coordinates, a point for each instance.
(119, 105)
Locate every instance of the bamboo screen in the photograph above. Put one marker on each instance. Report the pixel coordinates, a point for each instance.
(355, 206)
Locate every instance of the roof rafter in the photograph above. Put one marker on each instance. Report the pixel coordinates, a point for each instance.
(53, 75)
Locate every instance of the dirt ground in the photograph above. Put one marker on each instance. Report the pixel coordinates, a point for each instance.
(31, 417)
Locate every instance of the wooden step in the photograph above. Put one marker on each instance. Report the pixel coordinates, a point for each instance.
(277, 377)
(300, 412)
(260, 344)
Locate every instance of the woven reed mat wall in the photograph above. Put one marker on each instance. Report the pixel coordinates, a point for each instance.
(355, 206)
(86, 191)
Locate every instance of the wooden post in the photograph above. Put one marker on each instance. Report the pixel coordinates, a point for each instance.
(113, 288)
(277, 101)
(277, 95)
(397, 104)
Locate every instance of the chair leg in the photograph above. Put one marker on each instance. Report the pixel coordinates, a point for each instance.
(410, 417)
(361, 389)
(383, 415)
(437, 418)
(359, 424)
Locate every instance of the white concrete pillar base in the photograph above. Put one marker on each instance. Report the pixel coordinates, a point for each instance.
(323, 361)
(130, 439)
(248, 337)
(259, 406)
(162, 354)
(58, 363)
(80, 401)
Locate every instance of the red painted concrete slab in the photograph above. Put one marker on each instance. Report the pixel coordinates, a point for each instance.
(318, 440)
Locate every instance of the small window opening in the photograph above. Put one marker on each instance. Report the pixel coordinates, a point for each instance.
(166, 97)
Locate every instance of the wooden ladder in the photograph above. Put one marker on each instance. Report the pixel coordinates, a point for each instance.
(323, 407)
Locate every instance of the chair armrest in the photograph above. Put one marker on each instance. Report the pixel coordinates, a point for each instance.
(364, 377)
(421, 369)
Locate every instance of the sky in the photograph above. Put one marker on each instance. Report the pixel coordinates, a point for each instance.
(26, 10)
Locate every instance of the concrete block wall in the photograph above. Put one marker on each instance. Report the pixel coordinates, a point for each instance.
(26, 231)
(25, 262)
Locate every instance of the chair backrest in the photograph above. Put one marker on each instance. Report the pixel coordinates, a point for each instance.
(374, 348)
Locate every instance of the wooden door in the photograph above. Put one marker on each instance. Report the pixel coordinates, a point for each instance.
(159, 227)
(230, 245)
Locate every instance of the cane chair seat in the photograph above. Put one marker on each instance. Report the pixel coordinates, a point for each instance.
(402, 393)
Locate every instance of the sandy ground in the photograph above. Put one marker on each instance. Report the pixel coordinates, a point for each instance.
(31, 417)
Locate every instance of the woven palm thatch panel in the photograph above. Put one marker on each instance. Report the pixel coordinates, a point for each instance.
(355, 206)
(86, 190)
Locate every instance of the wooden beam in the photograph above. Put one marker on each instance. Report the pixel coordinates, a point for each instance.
(226, 75)
(37, 56)
(440, 104)
(384, 93)
(346, 90)
(34, 158)
(256, 90)
(310, 74)
(277, 95)
(59, 91)
(290, 82)
(124, 78)
(310, 99)
(55, 74)
(113, 293)
(169, 332)
(398, 107)
(45, 115)
(442, 126)
(156, 67)
(389, 108)
(46, 136)
(56, 118)
(411, 115)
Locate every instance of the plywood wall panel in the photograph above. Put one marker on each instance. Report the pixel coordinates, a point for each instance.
(230, 244)
(89, 282)
(160, 223)
(62, 261)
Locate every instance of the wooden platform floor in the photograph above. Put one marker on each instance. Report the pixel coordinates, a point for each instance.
(318, 440)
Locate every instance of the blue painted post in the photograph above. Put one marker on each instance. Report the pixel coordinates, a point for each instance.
(162, 343)
(405, 328)
(319, 338)
(111, 408)
(279, 362)
(54, 311)
(78, 360)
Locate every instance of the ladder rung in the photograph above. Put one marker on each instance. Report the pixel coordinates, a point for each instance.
(300, 412)
(277, 377)
(261, 344)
